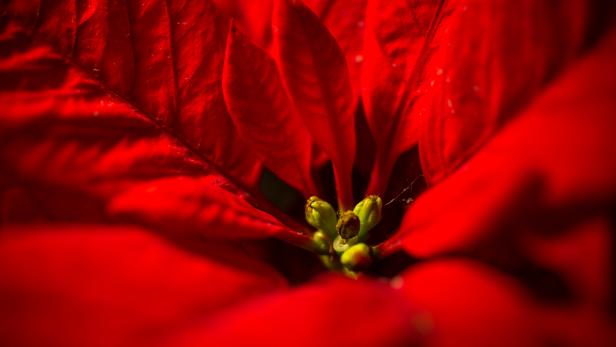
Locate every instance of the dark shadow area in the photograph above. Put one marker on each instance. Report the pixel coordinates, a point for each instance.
(506, 254)
(405, 185)
(281, 195)
(324, 179)
(391, 266)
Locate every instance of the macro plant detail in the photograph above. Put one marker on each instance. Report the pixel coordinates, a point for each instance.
(317, 172)
(344, 233)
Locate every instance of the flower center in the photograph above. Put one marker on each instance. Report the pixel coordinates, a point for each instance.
(340, 236)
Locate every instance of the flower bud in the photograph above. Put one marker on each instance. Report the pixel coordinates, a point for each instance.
(321, 215)
(320, 242)
(348, 225)
(369, 213)
(340, 245)
(356, 257)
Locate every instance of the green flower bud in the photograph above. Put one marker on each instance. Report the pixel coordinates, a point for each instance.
(321, 242)
(357, 256)
(369, 213)
(321, 215)
(340, 245)
(348, 225)
(330, 262)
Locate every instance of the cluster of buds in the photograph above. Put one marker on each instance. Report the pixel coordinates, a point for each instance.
(342, 235)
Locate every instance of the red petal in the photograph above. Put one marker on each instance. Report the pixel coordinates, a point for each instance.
(77, 152)
(489, 61)
(114, 286)
(343, 18)
(336, 312)
(578, 327)
(157, 55)
(315, 74)
(345, 21)
(397, 45)
(582, 254)
(253, 17)
(550, 160)
(197, 205)
(461, 303)
(264, 115)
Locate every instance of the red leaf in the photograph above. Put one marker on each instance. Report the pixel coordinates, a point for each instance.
(253, 17)
(343, 18)
(489, 61)
(77, 152)
(460, 303)
(553, 157)
(464, 303)
(155, 54)
(398, 37)
(345, 21)
(264, 115)
(114, 286)
(315, 74)
(582, 254)
(196, 205)
(332, 312)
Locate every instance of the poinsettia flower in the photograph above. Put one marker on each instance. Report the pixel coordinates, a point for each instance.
(157, 155)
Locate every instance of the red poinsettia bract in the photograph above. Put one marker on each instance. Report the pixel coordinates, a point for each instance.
(149, 151)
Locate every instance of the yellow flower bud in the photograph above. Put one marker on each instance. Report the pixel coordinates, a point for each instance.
(369, 213)
(321, 215)
(356, 257)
